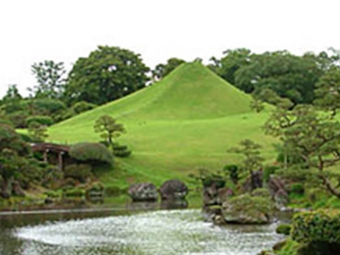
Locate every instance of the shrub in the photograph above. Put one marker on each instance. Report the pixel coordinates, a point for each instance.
(82, 106)
(45, 105)
(42, 120)
(269, 170)
(297, 188)
(121, 151)
(73, 192)
(112, 190)
(283, 229)
(18, 119)
(317, 226)
(92, 153)
(78, 171)
(261, 192)
(26, 138)
(232, 171)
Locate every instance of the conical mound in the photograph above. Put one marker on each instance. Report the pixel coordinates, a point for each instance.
(190, 92)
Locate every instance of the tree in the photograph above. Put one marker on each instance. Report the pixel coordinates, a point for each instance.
(311, 136)
(11, 101)
(328, 91)
(37, 131)
(108, 73)
(50, 79)
(252, 159)
(287, 75)
(162, 70)
(232, 60)
(108, 128)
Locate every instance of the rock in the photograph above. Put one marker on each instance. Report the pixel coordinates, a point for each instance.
(246, 209)
(255, 181)
(278, 190)
(143, 192)
(210, 192)
(173, 189)
(223, 194)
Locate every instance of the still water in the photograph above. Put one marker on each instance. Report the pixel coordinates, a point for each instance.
(159, 232)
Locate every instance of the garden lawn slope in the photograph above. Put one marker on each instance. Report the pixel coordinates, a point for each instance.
(185, 121)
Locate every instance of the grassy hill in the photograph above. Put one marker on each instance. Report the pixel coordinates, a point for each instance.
(187, 120)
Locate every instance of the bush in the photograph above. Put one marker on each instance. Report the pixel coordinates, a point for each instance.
(112, 190)
(121, 151)
(45, 105)
(283, 229)
(73, 192)
(317, 226)
(79, 172)
(267, 171)
(42, 120)
(261, 192)
(297, 188)
(18, 119)
(232, 172)
(82, 106)
(92, 153)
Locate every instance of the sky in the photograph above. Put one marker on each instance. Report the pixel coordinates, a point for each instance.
(64, 30)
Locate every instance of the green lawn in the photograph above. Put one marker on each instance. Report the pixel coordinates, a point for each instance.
(186, 121)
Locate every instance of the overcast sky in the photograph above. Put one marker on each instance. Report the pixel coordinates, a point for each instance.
(64, 30)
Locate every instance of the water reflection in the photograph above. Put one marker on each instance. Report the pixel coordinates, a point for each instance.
(156, 232)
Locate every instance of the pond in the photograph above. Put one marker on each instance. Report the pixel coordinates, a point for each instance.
(130, 232)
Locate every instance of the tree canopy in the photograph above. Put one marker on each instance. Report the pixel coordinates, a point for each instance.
(108, 73)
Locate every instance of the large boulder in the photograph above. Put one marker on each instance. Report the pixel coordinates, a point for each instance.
(246, 209)
(143, 192)
(173, 189)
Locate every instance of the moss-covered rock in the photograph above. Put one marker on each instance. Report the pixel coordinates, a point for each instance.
(246, 209)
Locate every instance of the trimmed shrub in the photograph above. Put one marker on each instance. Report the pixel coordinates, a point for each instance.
(45, 105)
(82, 106)
(18, 119)
(26, 138)
(121, 151)
(92, 153)
(261, 192)
(79, 172)
(40, 119)
(283, 229)
(317, 226)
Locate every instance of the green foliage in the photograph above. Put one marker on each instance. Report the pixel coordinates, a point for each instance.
(82, 106)
(9, 139)
(50, 79)
(91, 152)
(283, 229)
(18, 119)
(73, 192)
(11, 101)
(108, 128)
(108, 73)
(37, 131)
(316, 226)
(162, 70)
(328, 91)
(251, 155)
(261, 192)
(80, 172)
(268, 171)
(120, 151)
(297, 188)
(233, 172)
(42, 120)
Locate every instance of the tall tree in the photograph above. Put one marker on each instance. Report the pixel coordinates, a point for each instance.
(108, 73)
(287, 75)
(162, 70)
(232, 60)
(50, 79)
